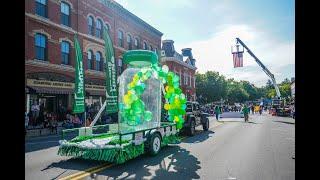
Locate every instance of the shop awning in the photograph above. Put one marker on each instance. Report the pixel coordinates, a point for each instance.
(52, 90)
(29, 90)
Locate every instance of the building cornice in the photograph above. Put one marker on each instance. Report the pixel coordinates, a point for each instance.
(173, 59)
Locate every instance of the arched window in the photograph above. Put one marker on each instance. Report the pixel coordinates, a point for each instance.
(98, 61)
(90, 25)
(120, 38)
(145, 46)
(65, 14)
(99, 28)
(90, 61)
(65, 52)
(136, 43)
(41, 8)
(129, 41)
(41, 46)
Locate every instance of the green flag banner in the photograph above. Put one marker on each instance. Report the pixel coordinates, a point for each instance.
(78, 105)
(111, 75)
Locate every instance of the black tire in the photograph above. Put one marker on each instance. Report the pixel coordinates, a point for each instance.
(154, 144)
(205, 125)
(192, 128)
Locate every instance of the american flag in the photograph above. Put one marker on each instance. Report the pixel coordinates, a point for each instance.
(237, 59)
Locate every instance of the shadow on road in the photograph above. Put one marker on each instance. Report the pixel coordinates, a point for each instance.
(286, 122)
(181, 165)
(253, 122)
(74, 164)
(200, 136)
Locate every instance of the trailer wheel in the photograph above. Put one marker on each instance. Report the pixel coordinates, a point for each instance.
(154, 144)
(192, 128)
(206, 125)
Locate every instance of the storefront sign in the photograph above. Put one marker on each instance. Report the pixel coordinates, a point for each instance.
(111, 76)
(57, 84)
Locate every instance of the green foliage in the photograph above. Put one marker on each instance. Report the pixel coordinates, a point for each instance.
(212, 87)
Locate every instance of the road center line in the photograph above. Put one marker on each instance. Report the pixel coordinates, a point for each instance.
(87, 171)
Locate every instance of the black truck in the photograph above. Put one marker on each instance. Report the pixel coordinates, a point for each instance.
(195, 117)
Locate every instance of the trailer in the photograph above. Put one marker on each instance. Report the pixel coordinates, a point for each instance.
(106, 143)
(139, 128)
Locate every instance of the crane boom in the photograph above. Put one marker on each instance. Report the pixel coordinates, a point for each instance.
(264, 68)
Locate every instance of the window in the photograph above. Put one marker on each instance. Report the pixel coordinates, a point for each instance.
(99, 29)
(65, 52)
(120, 38)
(41, 8)
(65, 14)
(41, 46)
(90, 63)
(98, 61)
(136, 43)
(90, 25)
(145, 46)
(194, 82)
(185, 79)
(129, 41)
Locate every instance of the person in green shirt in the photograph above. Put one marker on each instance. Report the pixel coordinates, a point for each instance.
(217, 111)
(246, 111)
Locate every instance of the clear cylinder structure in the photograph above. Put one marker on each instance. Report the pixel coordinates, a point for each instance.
(151, 99)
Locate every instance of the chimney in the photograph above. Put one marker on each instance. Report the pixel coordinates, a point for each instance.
(187, 52)
(168, 47)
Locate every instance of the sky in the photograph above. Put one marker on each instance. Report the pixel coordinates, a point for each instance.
(210, 27)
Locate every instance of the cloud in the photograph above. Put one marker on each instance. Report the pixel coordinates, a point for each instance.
(215, 54)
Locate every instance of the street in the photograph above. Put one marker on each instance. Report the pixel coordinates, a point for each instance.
(264, 148)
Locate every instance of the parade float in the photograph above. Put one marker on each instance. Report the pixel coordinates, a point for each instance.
(138, 101)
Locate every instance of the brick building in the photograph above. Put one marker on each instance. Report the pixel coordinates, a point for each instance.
(50, 27)
(185, 69)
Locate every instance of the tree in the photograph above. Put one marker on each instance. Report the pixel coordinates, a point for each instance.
(236, 93)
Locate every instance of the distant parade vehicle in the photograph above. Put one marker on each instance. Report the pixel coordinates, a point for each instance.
(195, 117)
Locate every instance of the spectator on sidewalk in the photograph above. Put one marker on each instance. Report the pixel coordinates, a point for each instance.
(76, 121)
(53, 124)
(252, 109)
(35, 112)
(88, 121)
(246, 112)
(26, 122)
(217, 111)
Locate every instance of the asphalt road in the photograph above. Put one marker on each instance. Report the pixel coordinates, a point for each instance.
(261, 149)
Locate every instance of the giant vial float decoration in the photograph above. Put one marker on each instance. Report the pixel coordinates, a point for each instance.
(139, 93)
